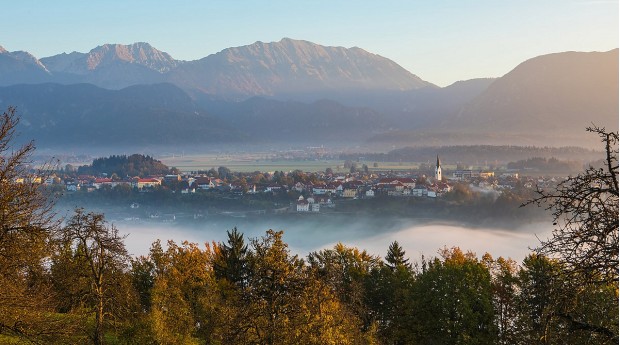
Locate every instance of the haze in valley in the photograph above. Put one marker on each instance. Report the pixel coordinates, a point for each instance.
(91, 80)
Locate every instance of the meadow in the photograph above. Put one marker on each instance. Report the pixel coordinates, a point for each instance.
(262, 162)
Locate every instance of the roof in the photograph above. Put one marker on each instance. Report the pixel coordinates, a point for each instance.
(148, 180)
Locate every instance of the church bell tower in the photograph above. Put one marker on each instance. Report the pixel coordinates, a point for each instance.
(438, 170)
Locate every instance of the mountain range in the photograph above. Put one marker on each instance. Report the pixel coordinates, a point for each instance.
(287, 67)
(295, 90)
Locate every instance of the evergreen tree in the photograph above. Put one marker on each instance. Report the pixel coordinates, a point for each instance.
(231, 262)
(396, 257)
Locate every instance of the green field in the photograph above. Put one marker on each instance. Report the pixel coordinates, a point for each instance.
(258, 162)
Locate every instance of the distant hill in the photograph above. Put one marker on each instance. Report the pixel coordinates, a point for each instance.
(323, 121)
(548, 100)
(555, 95)
(84, 114)
(163, 114)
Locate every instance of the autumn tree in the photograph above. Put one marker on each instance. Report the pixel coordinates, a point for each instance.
(26, 226)
(275, 283)
(585, 213)
(347, 271)
(584, 245)
(181, 303)
(99, 248)
(322, 318)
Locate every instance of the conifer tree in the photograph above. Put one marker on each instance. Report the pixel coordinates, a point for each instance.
(396, 257)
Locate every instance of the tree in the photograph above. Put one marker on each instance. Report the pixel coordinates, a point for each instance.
(396, 257)
(585, 211)
(539, 291)
(504, 282)
(231, 261)
(275, 284)
(322, 318)
(182, 304)
(101, 248)
(389, 296)
(224, 173)
(452, 301)
(553, 307)
(347, 270)
(26, 225)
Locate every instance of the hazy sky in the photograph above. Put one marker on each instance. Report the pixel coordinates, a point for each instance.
(440, 41)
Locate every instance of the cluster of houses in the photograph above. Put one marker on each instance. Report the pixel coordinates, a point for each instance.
(91, 183)
(321, 194)
(311, 197)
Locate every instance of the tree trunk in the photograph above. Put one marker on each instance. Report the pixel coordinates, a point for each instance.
(98, 339)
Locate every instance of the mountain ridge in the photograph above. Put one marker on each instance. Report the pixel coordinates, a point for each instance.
(259, 69)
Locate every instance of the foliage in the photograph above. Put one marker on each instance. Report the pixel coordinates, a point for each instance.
(26, 226)
(126, 166)
(453, 301)
(100, 259)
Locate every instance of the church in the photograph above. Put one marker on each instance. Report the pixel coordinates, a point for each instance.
(438, 176)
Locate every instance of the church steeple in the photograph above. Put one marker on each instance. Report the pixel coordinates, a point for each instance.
(438, 170)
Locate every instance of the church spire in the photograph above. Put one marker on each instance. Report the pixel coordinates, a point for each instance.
(438, 176)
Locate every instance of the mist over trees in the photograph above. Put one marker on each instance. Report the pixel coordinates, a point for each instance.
(74, 283)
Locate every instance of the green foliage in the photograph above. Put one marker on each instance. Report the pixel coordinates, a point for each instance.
(231, 261)
(126, 166)
(396, 258)
(453, 301)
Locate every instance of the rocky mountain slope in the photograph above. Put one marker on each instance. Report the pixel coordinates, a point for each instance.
(291, 67)
(21, 67)
(286, 68)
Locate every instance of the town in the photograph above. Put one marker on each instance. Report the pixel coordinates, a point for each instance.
(171, 194)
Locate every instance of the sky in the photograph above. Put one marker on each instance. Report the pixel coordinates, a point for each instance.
(441, 41)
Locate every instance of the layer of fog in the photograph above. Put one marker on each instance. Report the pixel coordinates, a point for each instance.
(307, 234)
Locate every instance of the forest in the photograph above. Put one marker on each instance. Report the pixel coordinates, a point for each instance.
(72, 282)
(122, 166)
